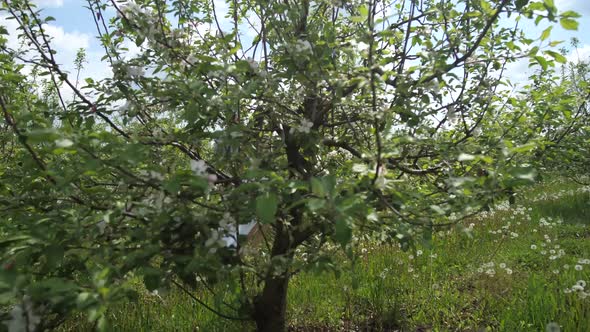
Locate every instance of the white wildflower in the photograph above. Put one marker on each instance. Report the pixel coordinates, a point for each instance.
(552, 327)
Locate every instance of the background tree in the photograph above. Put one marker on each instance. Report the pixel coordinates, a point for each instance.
(564, 122)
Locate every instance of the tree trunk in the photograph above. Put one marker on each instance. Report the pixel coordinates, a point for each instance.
(271, 307)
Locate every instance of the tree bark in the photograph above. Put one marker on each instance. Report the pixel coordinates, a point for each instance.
(271, 307)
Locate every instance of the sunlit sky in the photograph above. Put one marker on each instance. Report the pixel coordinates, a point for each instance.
(74, 28)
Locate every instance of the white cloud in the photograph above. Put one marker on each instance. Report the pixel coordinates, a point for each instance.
(518, 72)
(66, 41)
(11, 26)
(580, 6)
(49, 3)
(581, 54)
(66, 44)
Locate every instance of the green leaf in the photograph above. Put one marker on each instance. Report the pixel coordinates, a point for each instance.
(364, 10)
(546, 33)
(542, 61)
(266, 207)
(555, 55)
(521, 3)
(329, 184)
(568, 23)
(343, 231)
(139, 40)
(54, 255)
(487, 8)
(151, 279)
(317, 187)
(8, 241)
(571, 14)
(427, 237)
(549, 3)
(315, 204)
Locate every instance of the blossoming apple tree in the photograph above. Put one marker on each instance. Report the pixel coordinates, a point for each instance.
(320, 121)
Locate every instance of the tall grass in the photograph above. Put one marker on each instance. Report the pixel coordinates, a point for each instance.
(506, 271)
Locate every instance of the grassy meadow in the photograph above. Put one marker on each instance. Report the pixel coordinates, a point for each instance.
(520, 268)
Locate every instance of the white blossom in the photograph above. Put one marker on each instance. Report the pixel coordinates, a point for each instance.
(302, 46)
(305, 126)
(135, 71)
(101, 226)
(125, 107)
(253, 64)
(129, 8)
(199, 167)
(63, 143)
(451, 114)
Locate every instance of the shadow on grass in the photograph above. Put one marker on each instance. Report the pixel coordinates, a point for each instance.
(574, 209)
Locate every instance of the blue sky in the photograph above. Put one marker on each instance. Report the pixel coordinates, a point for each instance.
(74, 28)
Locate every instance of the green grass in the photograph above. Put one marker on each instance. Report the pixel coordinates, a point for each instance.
(441, 289)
